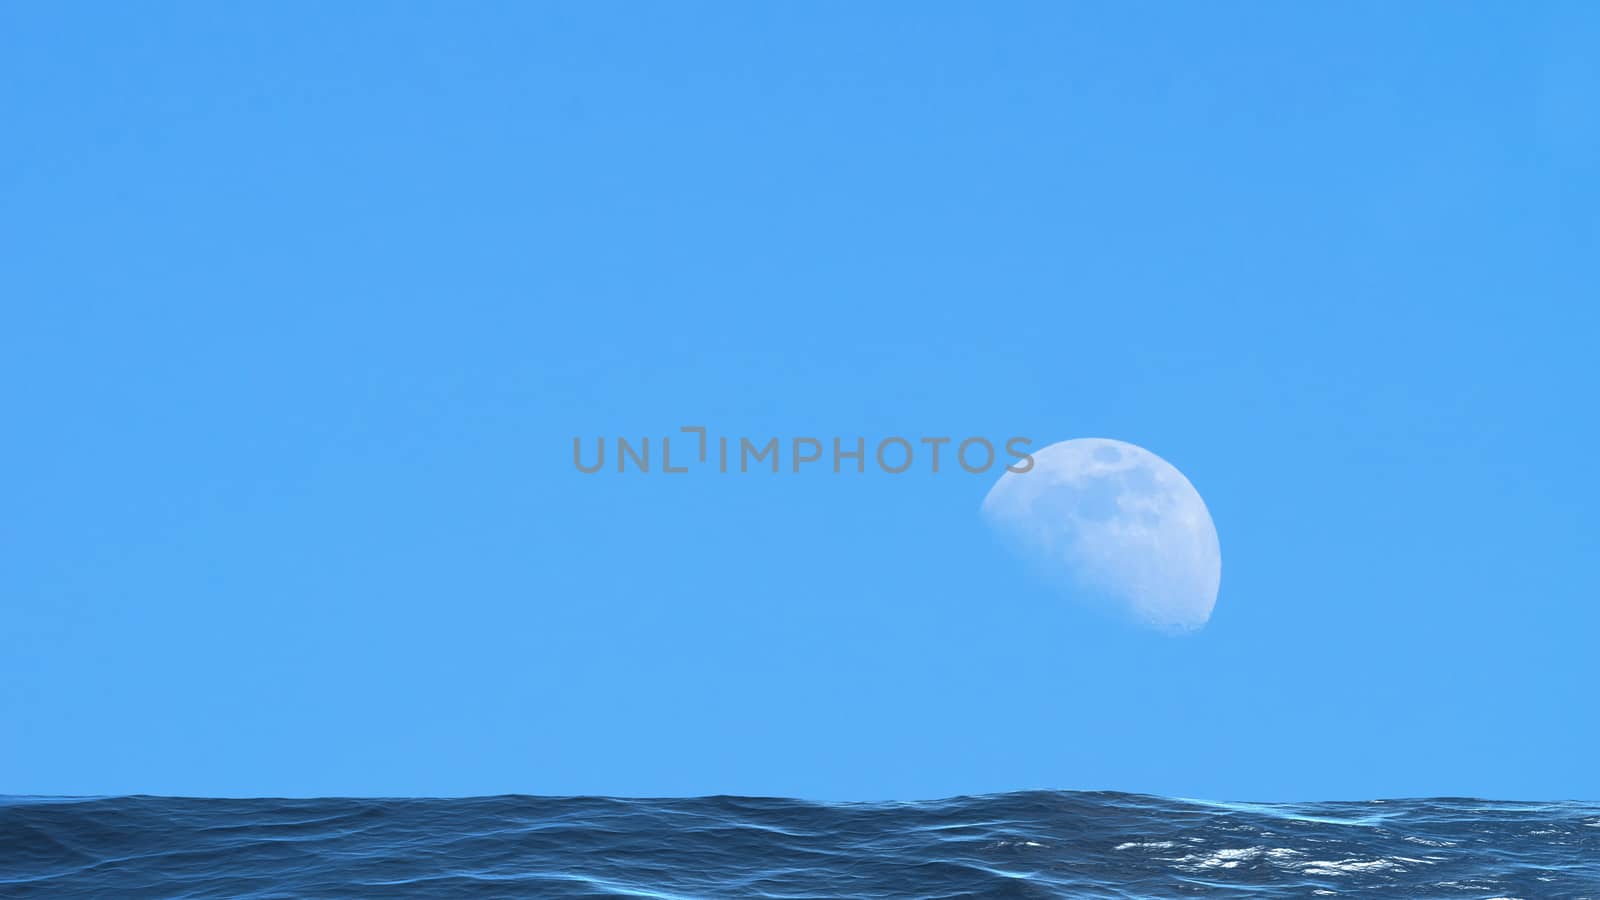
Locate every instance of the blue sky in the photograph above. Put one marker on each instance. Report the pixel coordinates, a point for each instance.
(301, 308)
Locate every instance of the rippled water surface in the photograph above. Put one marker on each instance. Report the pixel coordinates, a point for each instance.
(1035, 844)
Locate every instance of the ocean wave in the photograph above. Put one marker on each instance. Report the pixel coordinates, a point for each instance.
(1024, 845)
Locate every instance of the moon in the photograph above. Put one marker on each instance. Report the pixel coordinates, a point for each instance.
(1114, 519)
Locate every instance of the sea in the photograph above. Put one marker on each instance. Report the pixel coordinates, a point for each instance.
(1024, 845)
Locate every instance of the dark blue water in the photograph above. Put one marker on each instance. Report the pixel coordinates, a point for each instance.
(1036, 844)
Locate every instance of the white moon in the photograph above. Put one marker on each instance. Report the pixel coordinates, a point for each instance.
(1117, 519)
